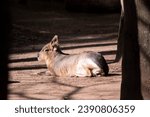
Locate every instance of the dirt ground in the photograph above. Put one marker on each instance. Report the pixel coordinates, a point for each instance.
(78, 32)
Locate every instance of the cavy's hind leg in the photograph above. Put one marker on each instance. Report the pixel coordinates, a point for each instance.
(82, 72)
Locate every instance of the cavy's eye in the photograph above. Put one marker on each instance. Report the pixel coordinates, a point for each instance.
(46, 50)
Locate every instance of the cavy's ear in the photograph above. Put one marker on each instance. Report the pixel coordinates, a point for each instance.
(54, 42)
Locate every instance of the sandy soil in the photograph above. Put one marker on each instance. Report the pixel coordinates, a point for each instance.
(78, 32)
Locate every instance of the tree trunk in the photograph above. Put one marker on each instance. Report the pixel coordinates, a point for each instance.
(136, 50)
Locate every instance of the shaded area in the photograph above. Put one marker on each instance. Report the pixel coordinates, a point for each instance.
(77, 37)
(11, 81)
(92, 5)
(22, 60)
(90, 45)
(68, 95)
(28, 67)
(23, 95)
(33, 27)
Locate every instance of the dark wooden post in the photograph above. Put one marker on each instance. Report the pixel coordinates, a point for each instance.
(4, 47)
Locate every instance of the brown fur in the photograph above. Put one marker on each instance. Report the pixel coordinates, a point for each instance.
(82, 65)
